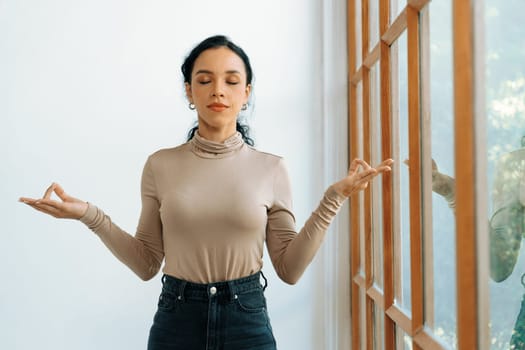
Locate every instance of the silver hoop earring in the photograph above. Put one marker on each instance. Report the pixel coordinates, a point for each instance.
(244, 107)
(191, 106)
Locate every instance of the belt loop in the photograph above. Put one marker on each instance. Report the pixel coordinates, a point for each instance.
(265, 281)
(181, 290)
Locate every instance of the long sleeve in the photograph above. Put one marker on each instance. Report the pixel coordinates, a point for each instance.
(292, 252)
(506, 229)
(144, 252)
(507, 224)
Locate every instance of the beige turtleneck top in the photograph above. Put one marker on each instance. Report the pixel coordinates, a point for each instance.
(208, 208)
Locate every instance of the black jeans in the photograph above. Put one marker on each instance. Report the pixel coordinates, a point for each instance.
(227, 315)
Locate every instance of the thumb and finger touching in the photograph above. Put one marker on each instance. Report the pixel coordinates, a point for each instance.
(66, 207)
(58, 190)
(361, 173)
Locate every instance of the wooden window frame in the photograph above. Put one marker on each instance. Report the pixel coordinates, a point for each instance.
(471, 327)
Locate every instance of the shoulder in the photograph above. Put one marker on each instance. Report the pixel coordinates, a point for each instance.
(264, 156)
(274, 167)
(268, 163)
(166, 157)
(168, 153)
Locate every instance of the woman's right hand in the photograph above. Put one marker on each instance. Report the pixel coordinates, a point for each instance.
(441, 183)
(68, 208)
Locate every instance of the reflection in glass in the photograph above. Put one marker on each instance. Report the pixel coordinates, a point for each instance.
(359, 152)
(442, 318)
(362, 233)
(505, 109)
(377, 187)
(362, 316)
(403, 340)
(379, 328)
(400, 149)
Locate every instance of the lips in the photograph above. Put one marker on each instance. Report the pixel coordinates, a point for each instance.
(217, 107)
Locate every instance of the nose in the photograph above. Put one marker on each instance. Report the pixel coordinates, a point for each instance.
(217, 90)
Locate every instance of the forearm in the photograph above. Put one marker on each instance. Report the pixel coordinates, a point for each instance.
(128, 249)
(297, 250)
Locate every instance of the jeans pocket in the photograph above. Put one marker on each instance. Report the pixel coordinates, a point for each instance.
(251, 302)
(167, 301)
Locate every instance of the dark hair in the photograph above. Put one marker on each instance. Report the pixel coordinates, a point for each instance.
(212, 43)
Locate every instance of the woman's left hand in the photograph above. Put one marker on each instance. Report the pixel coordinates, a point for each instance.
(68, 208)
(359, 175)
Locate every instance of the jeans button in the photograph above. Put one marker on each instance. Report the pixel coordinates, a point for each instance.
(213, 290)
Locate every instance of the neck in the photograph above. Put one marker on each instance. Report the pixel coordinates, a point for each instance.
(216, 134)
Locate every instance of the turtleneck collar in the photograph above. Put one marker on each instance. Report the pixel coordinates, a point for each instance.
(211, 149)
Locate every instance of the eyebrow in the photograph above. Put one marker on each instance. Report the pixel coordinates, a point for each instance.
(204, 71)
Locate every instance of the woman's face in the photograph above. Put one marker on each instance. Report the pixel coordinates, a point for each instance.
(218, 88)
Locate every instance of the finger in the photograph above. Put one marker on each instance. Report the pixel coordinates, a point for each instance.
(390, 161)
(50, 203)
(46, 207)
(46, 210)
(49, 191)
(365, 176)
(382, 169)
(364, 164)
(386, 165)
(374, 172)
(27, 200)
(61, 193)
(368, 178)
(354, 166)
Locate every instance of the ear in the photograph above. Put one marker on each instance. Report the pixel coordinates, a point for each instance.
(187, 87)
(248, 90)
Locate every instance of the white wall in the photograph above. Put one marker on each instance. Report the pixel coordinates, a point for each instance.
(87, 91)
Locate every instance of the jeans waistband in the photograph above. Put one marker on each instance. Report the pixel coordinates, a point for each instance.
(227, 289)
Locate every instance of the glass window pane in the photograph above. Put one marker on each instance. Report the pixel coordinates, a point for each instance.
(362, 317)
(442, 317)
(376, 188)
(358, 35)
(396, 6)
(400, 148)
(373, 21)
(379, 328)
(505, 109)
(403, 340)
(362, 233)
(359, 152)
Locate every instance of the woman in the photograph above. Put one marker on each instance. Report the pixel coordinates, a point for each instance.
(208, 206)
(506, 225)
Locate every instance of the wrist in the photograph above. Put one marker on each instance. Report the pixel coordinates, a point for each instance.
(84, 206)
(339, 189)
